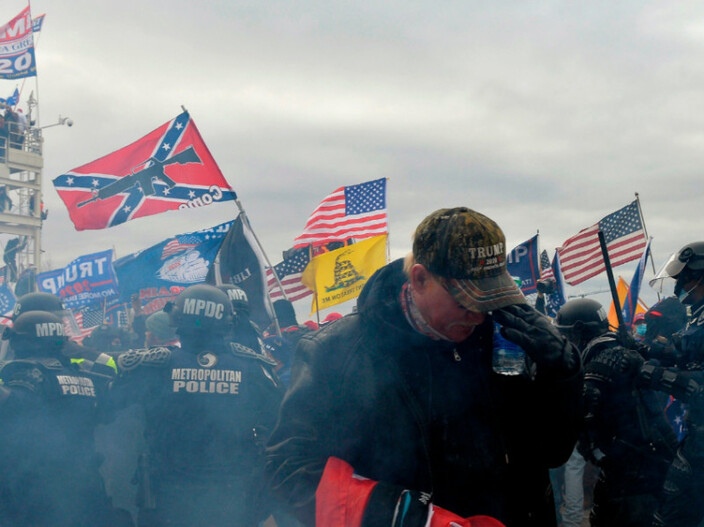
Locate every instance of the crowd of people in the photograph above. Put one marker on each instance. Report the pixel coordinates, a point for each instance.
(394, 415)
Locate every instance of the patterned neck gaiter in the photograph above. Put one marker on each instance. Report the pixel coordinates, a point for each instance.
(414, 316)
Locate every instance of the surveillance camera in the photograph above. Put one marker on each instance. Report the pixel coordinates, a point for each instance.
(69, 122)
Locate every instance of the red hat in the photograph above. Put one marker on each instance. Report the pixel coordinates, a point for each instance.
(331, 317)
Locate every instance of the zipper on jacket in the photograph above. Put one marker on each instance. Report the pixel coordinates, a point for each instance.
(456, 355)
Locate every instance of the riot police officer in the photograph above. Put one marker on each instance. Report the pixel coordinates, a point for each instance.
(88, 359)
(33, 302)
(244, 330)
(625, 430)
(684, 486)
(49, 412)
(580, 320)
(208, 407)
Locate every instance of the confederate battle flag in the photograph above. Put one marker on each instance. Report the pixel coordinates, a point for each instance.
(168, 169)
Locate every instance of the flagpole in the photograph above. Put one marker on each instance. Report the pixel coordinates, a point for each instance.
(35, 42)
(266, 258)
(216, 269)
(36, 75)
(315, 294)
(388, 230)
(105, 305)
(645, 230)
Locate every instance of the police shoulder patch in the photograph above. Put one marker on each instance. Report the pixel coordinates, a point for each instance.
(244, 351)
(27, 374)
(158, 357)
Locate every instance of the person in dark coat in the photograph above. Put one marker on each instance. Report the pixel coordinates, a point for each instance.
(394, 415)
(208, 408)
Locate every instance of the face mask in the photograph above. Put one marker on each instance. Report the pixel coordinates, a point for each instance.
(683, 294)
(640, 330)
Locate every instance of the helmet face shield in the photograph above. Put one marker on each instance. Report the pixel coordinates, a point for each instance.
(686, 263)
(658, 282)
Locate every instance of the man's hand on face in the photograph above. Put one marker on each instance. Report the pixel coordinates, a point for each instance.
(547, 348)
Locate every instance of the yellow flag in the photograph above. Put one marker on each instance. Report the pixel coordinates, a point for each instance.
(339, 275)
(622, 290)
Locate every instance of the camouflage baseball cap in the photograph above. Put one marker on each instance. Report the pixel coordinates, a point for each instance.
(467, 251)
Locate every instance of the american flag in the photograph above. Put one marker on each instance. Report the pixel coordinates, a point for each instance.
(357, 211)
(545, 266)
(581, 257)
(84, 321)
(289, 272)
(179, 244)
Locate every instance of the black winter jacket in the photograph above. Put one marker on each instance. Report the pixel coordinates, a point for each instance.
(426, 415)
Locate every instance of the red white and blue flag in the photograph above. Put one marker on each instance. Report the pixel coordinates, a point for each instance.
(581, 257)
(289, 271)
(17, 47)
(170, 168)
(357, 211)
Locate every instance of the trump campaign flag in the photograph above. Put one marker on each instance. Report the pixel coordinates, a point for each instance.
(17, 47)
(162, 271)
(168, 169)
(523, 263)
(86, 280)
(340, 275)
(580, 255)
(357, 211)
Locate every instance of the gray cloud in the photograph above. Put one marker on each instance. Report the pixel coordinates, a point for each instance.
(543, 115)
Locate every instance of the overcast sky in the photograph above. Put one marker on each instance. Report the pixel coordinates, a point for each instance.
(543, 115)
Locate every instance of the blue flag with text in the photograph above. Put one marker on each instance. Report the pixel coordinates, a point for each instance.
(86, 280)
(523, 263)
(161, 272)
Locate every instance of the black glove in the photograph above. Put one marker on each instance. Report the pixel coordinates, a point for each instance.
(614, 365)
(547, 348)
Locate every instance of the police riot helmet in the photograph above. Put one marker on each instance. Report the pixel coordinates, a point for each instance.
(238, 298)
(582, 319)
(200, 308)
(38, 302)
(36, 333)
(686, 267)
(689, 258)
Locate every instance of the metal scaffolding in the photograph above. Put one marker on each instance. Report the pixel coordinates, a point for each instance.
(21, 204)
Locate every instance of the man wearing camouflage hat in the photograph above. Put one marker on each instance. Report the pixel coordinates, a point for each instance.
(394, 416)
